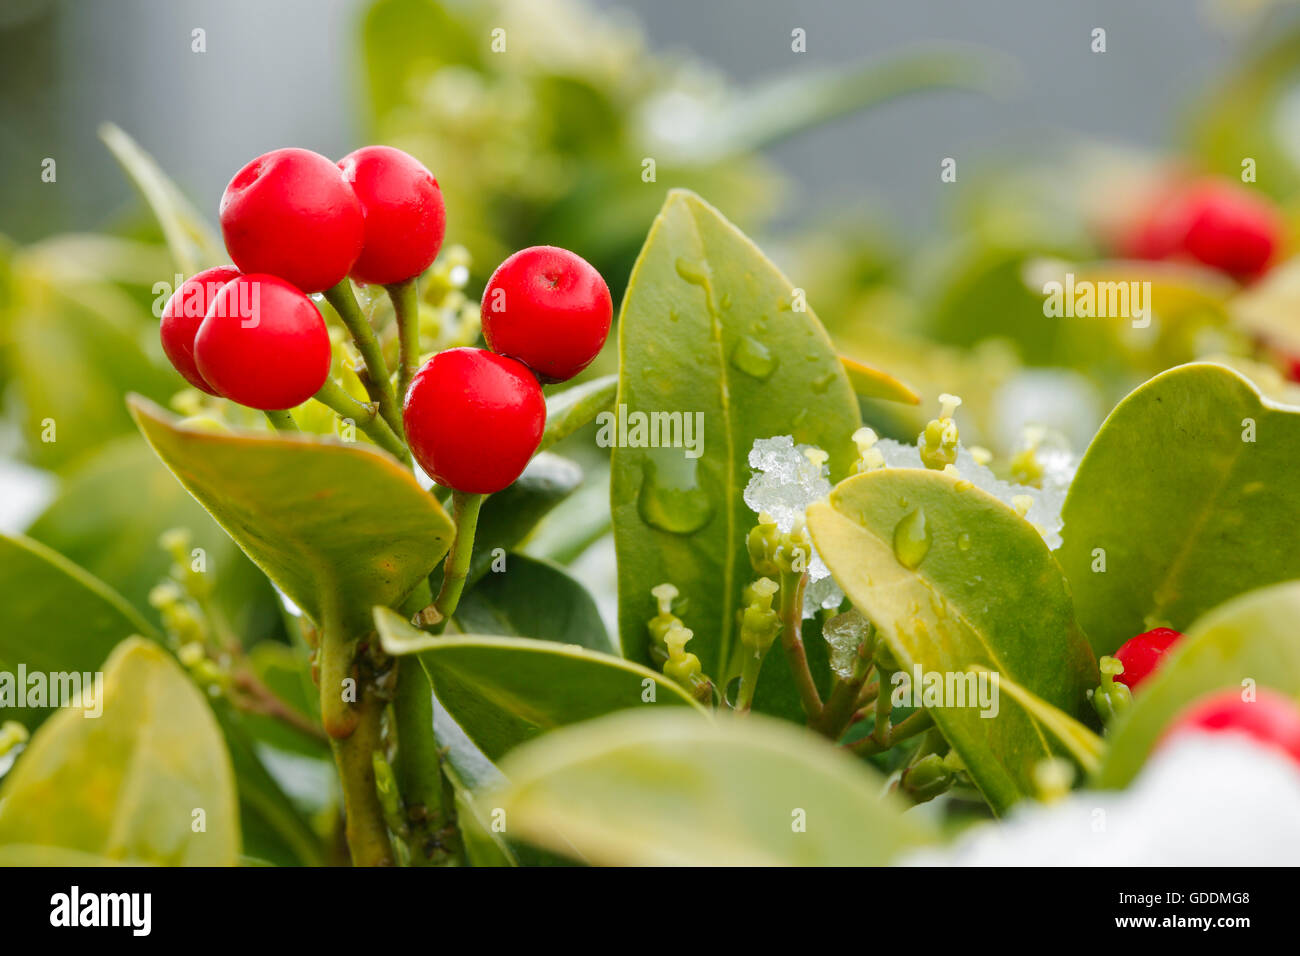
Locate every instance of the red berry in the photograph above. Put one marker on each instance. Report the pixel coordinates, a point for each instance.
(263, 344)
(548, 308)
(1270, 719)
(290, 213)
(405, 217)
(474, 419)
(182, 316)
(1220, 224)
(1142, 654)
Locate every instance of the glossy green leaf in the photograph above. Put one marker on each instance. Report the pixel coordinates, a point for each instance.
(533, 598)
(1252, 637)
(707, 327)
(108, 516)
(509, 516)
(1185, 494)
(55, 617)
(574, 407)
(976, 587)
(319, 517)
(505, 690)
(193, 243)
(1078, 740)
(127, 784)
(680, 790)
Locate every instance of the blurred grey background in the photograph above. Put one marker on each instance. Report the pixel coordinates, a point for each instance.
(280, 72)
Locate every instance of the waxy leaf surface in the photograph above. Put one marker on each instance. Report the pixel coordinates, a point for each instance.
(1186, 497)
(985, 592)
(707, 326)
(652, 789)
(324, 520)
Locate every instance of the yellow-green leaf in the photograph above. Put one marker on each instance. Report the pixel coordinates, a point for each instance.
(319, 516)
(952, 577)
(128, 785)
(650, 789)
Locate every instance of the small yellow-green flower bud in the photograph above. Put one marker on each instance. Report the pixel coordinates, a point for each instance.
(1111, 698)
(759, 623)
(664, 594)
(762, 543)
(937, 442)
(681, 665)
(869, 456)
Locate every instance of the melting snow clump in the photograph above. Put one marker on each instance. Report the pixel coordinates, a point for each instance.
(786, 481)
(1207, 800)
(844, 634)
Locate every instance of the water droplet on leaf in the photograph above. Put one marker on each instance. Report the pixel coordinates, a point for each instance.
(671, 498)
(912, 539)
(754, 358)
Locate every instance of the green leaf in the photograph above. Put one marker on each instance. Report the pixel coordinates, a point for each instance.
(321, 518)
(1251, 637)
(108, 516)
(1079, 741)
(126, 785)
(870, 382)
(679, 790)
(1184, 510)
(505, 690)
(77, 347)
(193, 243)
(533, 598)
(574, 407)
(703, 305)
(509, 516)
(55, 617)
(985, 592)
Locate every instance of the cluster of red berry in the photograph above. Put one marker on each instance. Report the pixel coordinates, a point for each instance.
(1270, 719)
(296, 223)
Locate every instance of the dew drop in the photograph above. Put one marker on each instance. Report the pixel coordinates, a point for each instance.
(819, 385)
(754, 358)
(963, 541)
(671, 498)
(912, 539)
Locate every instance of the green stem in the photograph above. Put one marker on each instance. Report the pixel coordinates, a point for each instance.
(332, 396)
(840, 705)
(367, 833)
(406, 306)
(792, 585)
(380, 385)
(877, 742)
(281, 420)
(749, 668)
(464, 509)
(434, 838)
(356, 733)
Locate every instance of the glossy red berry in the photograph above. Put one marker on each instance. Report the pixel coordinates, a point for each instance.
(182, 316)
(474, 419)
(1270, 719)
(405, 216)
(1219, 224)
(550, 309)
(263, 344)
(1143, 654)
(292, 214)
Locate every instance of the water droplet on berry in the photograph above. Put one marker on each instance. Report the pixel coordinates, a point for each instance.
(754, 358)
(671, 498)
(912, 539)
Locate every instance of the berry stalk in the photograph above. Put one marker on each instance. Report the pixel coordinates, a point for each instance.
(465, 509)
(332, 396)
(406, 306)
(345, 304)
